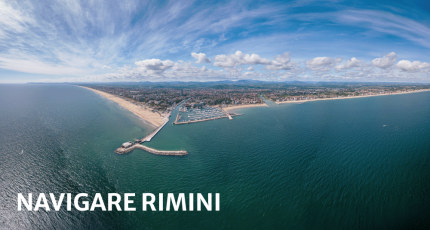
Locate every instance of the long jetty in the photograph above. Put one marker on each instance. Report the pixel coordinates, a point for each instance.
(151, 150)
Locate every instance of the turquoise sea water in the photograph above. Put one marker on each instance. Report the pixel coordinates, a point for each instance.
(342, 164)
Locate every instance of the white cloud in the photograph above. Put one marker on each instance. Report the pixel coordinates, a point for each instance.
(319, 61)
(238, 58)
(167, 70)
(351, 63)
(232, 61)
(386, 23)
(88, 35)
(411, 67)
(338, 60)
(155, 64)
(281, 62)
(386, 61)
(200, 57)
(157, 70)
(38, 67)
(376, 22)
(321, 64)
(87, 38)
(12, 19)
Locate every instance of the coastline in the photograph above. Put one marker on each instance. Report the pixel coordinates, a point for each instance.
(244, 106)
(154, 119)
(157, 120)
(338, 98)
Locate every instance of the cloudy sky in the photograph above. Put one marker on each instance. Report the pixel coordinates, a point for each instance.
(305, 40)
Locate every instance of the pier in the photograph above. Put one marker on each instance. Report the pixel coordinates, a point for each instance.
(129, 146)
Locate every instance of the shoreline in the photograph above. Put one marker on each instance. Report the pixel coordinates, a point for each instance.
(152, 118)
(338, 98)
(244, 106)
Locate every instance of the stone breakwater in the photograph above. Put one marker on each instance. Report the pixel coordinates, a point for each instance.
(122, 150)
(188, 122)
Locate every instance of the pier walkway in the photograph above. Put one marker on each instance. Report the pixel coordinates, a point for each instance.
(151, 135)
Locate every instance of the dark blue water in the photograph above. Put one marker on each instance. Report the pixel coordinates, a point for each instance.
(342, 164)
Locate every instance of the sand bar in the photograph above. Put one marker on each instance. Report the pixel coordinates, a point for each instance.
(153, 118)
(337, 98)
(244, 106)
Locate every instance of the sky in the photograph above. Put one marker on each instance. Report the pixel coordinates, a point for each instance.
(132, 41)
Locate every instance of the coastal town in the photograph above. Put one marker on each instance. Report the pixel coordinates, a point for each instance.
(199, 102)
(339, 91)
(163, 98)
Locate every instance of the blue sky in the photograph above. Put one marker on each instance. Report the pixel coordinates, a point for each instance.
(305, 40)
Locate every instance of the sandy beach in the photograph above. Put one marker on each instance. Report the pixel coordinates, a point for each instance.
(338, 98)
(144, 113)
(244, 106)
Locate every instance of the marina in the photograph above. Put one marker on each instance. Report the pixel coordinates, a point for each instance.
(193, 115)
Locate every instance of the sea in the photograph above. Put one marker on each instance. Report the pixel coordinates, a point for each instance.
(360, 163)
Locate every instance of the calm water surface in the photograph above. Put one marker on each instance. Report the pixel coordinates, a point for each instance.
(342, 164)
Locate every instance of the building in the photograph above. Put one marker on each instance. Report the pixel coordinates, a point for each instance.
(127, 144)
